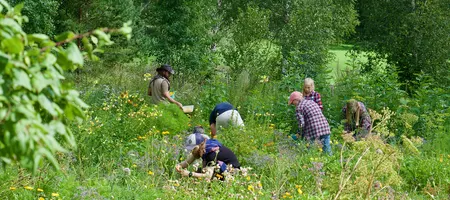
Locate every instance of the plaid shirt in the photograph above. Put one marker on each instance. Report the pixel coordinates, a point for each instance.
(311, 120)
(364, 119)
(315, 96)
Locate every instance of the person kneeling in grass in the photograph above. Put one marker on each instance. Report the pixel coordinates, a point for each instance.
(357, 119)
(311, 120)
(217, 158)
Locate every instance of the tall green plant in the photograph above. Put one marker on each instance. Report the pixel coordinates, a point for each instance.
(35, 105)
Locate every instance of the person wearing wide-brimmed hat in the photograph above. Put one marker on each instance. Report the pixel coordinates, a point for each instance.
(159, 86)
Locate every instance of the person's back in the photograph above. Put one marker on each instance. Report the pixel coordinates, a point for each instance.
(225, 155)
(159, 86)
(316, 124)
(224, 114)
(219, 109)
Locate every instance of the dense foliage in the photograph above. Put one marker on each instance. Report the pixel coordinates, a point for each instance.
(35, 105)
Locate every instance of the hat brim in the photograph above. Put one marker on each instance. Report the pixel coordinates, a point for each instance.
(162, 68)
(189, 148)
(291, 102)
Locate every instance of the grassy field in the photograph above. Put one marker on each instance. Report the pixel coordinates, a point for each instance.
(342, 60)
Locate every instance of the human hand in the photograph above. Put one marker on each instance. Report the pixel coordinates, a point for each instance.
(178, 168)
(179, 105)
(184, 173)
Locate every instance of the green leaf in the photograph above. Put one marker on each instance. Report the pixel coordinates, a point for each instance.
(74, 55)
(94, 40)
(5, 4)
(8, 22)
(49, 60)
(88, 47)
(18, 8)
(103, 37)
(44, 152)
(39, 82)
(126, 30)
(65, 36)
(12, 45)
(37, 37)
(47, 105)
(21, 79)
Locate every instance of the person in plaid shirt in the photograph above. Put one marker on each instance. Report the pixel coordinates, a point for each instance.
(356, 118)
(310, 94)
(311, 120)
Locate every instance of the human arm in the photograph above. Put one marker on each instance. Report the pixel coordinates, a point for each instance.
(347, 127)
(212, 122)
(213, 130)
(149, 90)
(300, 119)
(207, 173)
(318, 100)
(190, 159)
(170, 99)
(365, 121)
(166, 94)
(180, 168)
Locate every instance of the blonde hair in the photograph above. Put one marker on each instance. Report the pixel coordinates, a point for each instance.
(353, 110)
(309, 81)
(199, 150)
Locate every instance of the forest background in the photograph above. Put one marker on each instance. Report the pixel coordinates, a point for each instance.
(77, 124)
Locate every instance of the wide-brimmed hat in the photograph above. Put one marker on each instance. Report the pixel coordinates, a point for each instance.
(166, 67)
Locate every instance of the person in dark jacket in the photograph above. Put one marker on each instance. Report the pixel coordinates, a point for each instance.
(216, 157)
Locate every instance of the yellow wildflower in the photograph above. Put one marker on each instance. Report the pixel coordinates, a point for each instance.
(248, 178)
(54, 194)
(134, 165)
(176, 184)
(12, 188)
(441, 159)
(150, 173)
(299, 189)
(28, 188)
(250, 188)
(165, 132)
(41, 198)
(40, 190)
(320, 149)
